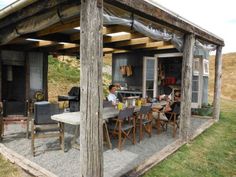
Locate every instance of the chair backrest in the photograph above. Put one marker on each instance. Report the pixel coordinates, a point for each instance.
(145, 109)
(43, 112)
(176, 108)
(126, 113)
(107, 104)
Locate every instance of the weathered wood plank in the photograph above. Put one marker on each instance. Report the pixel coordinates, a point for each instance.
(166, 151)
(142, 40)
(0, 76)
(186, 87)
(24, 163)
(202, 128)
(217, 85)
(30, 11)
(156, 158)
(91, 127)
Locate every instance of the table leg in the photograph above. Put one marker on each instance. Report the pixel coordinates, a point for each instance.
(73, 143)
(1, 128)
(29, 119)
(106, 133)
(62, 137)
(158, 124)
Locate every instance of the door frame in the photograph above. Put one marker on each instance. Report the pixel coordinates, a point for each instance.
(145, 58)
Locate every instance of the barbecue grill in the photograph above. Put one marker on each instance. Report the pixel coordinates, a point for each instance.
(73, 97)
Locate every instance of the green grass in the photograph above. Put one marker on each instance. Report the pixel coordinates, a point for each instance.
(64, 75)
(57, 71)
(7, 169)
(211, 154)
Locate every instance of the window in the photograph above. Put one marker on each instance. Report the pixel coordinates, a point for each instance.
(196, 66)
(205, 67)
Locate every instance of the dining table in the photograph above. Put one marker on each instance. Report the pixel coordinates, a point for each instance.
(73, 118)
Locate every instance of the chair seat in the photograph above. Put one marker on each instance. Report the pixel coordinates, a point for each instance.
(46, 130)
(163, 118)
(146, 121)
(124, 127)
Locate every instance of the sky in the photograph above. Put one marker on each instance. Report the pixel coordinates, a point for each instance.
(218, 17)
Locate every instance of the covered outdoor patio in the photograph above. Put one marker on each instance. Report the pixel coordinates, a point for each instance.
(135, 31)
(131, 160)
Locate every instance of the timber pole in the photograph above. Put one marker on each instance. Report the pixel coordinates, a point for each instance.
(217, 86)
(91, 130)
(186, 87)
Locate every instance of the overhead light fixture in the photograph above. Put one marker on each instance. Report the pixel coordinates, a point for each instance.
(64, 43)
(77, 28)
(117, 34)
(35, 40)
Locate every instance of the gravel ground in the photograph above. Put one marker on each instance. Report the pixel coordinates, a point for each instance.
(66, 164)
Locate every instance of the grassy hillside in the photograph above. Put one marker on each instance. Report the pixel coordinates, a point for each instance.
(64, 73)
(228, 75)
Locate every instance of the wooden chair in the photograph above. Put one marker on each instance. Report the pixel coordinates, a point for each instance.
(144, 121)
(42, 126)
(124, 127)
(107, 103)
(172, 117)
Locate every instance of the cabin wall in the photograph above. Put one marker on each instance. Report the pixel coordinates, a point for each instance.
(21, 74)
(135, 59)
(132, 59)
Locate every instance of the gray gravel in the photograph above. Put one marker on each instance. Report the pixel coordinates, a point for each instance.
(67, 164)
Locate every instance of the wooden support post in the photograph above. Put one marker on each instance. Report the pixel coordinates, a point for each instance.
(0, 76)
(45, 75)
(91, 125)
(186, 87)
(27, 76)
(217, 86)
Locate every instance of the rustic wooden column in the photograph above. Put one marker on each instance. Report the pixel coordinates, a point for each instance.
(186, 87)
(91, 130)
(0, 76)
(217, 86)
(45, 75)
(27, 76)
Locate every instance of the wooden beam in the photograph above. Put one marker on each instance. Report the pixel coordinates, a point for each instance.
(64, 46)
(217, 84)
(186, 87)
(0, 84)
(124, 37)
(27, 11)
(153, 13)
(108, 50)
(136, 41)
(162, 47)
(112, 50)
(40, 44)
(91, 107)
(151, 45)
(106, 30)
(59, 27)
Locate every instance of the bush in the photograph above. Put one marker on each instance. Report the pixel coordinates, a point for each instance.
(206, 110)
